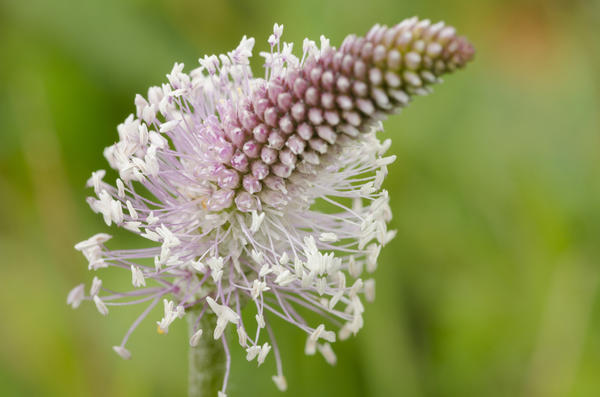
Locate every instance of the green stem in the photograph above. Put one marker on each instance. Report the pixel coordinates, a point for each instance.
(206, 360)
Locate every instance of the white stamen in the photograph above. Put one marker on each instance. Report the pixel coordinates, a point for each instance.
(100, 305)
(121, 351)
(369, 288)
(327, 352)
(131, 210)
(195, 339)
(76, 296)
(256, 221)
(264, 350)
(280, 382)
(260, 320)
(252, 352)
(120, 188)
(328, 237)
(137, 277)
(96, 285)
(169, 125)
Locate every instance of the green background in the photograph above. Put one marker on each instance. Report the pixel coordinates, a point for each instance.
(491, 286)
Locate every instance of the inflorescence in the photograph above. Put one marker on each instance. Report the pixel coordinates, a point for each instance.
(228, 175)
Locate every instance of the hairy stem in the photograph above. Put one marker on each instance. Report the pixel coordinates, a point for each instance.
(206, 360)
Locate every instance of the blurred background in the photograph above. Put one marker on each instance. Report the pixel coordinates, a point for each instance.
(491, 287)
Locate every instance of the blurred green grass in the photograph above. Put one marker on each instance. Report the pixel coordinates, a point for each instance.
(490, 288)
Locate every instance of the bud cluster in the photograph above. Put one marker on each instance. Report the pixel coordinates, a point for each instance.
(291, 121)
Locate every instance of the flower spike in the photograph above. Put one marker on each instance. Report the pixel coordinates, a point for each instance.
(221, 172)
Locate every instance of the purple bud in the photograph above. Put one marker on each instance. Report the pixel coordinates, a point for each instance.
(276, 140)
(394, 81)
(312, 96)
(291, 77)
(237, 136)
(349, 130)
(332, 117)
(228, 179)
(282, 170)
(224, 153)
(347, 64)
(274, 91)
(261, 133)
(380, 98)
(357, 46)
(305, 131)
(259, 169)
(275, 183)
(343, 84)
(327, 134)
(327, 80)
(379, 54)
(298, 111)
(394, 59)
(300, 86)
(375, 76)
(287, 157)
(286, 125)
(239, 161)
(328, 100)
(352, 117)
(344, 102)
(251, 184)
(246, 202)
(295, 144)
(249, 120)
(337, 60)
(318, 145)
(273, 198)
(315, 116)
(311, 157)
(284, 101)
(360, 89)
(268, 155)
(260, 106)
(360, 69)
(315, 76)
(365, 106)
(367, 51)
(252, 149)
(271, 116)
(220, 200)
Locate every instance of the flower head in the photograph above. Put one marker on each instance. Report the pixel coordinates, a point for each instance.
(229, 176)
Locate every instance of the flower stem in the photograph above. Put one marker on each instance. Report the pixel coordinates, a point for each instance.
(206, 360)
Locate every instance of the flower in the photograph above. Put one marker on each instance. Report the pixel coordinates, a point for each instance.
(264, 190)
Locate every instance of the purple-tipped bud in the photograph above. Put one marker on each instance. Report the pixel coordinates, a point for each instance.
(260, 170)
(228, 179)
(261, 133)
(252, 149)
(220, 200)
(251, 184)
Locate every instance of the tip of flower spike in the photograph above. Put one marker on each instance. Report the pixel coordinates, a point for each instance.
(465, 52)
